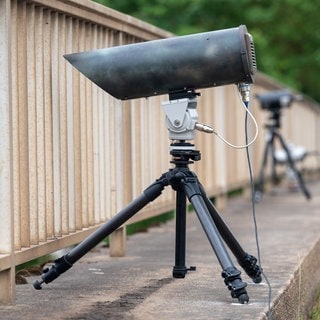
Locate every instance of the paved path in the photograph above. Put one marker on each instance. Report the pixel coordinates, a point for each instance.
(139, 286)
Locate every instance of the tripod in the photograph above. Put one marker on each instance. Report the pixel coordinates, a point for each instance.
(273, 135)
(187, 186)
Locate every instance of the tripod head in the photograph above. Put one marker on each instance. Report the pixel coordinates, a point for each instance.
(275, 119)
(182, 116)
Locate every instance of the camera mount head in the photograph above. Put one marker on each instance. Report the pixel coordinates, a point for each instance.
(182, 116)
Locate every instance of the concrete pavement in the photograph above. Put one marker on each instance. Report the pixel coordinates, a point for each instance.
(140, 285)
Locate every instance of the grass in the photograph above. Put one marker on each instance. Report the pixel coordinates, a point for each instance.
(315, 312)
(142, 226)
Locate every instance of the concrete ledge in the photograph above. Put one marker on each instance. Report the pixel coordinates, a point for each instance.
(300, 295)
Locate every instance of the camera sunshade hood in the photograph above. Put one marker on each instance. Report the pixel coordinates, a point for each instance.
(170, 65)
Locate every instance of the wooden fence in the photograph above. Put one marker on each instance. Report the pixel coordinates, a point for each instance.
(71, 156)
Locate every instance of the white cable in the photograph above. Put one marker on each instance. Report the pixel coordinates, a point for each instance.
(256, 128)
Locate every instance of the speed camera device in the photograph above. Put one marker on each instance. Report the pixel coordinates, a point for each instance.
(171, 65)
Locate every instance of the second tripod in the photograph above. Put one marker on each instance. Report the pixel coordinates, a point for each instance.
(272, 136)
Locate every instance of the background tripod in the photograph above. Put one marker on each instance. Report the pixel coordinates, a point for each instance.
(187, 186)
(273, 135)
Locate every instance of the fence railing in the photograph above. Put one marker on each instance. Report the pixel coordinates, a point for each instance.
(71, 156)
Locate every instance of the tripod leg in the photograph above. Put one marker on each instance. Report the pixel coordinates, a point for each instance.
(260, 185)
(246, 261)
(179, 270)
(274, 178)
(65, 262)
(230, 274)
(293, 168)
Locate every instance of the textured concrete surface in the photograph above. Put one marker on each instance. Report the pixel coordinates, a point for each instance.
(140, 285)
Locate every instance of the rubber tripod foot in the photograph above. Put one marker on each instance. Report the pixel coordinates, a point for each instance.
(257, 280)
(243, 298)
(37, 285)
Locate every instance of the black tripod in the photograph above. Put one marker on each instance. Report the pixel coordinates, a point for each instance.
(187, 186)
(273, 134)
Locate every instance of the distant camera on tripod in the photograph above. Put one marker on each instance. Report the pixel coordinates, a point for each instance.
(275, 100)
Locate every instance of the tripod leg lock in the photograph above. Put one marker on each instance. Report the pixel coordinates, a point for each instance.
(234, 283)
(155, 190)
(49, 274)
(249, 265)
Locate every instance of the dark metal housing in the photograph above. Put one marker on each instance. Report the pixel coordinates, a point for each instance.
(171, 65)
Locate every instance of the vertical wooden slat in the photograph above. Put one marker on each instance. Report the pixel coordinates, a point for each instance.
(106, 115)
(101, 147)
(15, 126)
(77, 131)
(48, 122)
(220, 151)
(164, 139)
(107, 120)
(70, 131)
(145, 143)
(6, 196)
(206, 165)
(95, 137)
(112, 125)
(63, 125)
(100, 215)
(89, 135)
(40, 139)
(135, 145)
(199, 142)
(209, 118)
(117, 238)
(232, 123)
(151, 147)
(56, 124)
(125, 142)
(220, 168)
(22, 94)
(107, 156)
(126, 179)
(83, 133)
(32, 124)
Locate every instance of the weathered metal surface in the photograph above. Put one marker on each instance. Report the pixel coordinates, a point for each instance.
(169, 65)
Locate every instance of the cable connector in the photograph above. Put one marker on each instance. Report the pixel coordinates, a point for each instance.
(204, 128)
(244, 90)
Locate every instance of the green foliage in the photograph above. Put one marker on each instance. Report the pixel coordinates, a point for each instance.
(142, 226)
(315, 312)
(286, 33)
